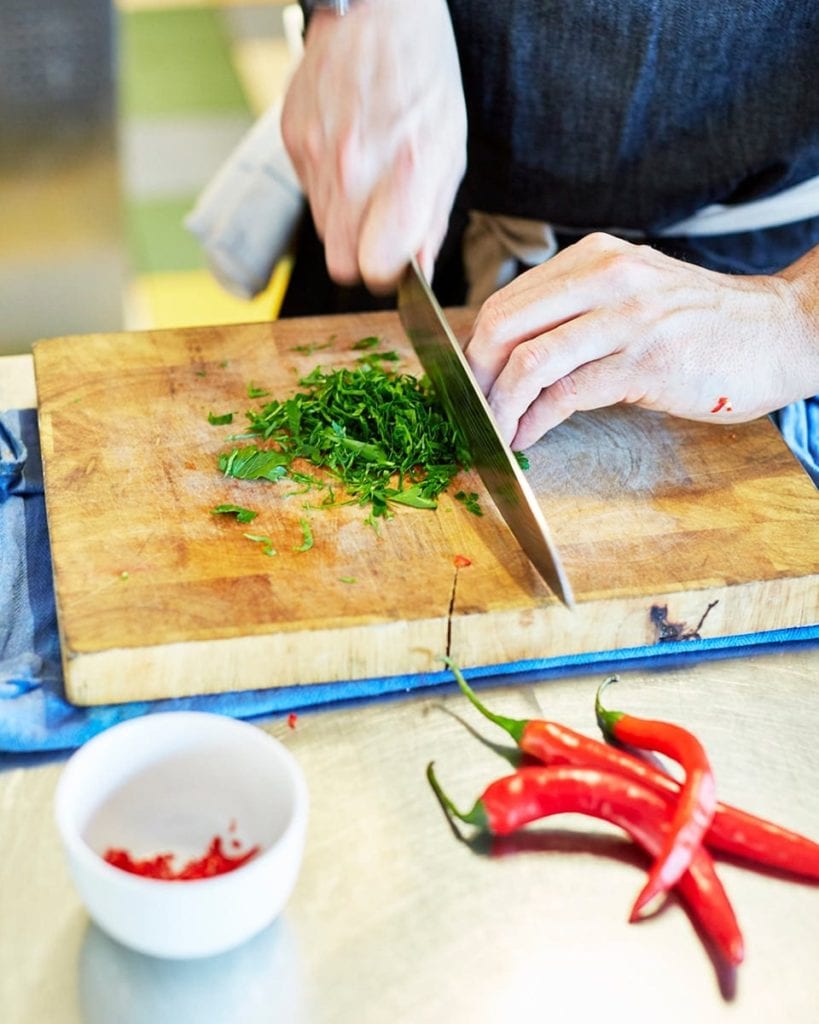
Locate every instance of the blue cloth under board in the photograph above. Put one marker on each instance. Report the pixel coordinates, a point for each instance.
(35, 717)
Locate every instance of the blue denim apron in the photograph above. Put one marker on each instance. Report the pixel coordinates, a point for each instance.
(640, 113)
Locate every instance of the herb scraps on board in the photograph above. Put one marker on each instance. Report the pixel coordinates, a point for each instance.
(220, 419)
(378, 436)
(680, 823)
(243, 515)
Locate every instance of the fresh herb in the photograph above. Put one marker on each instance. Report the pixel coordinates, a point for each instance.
(380, 433)
(266, 543)
(470, 502)
(307, 536)
(308, 350)
(243, 515)
(253, 391)
(373, 522)
(375, 358)
(347, 579)
(217, 420)
(201, 373)
(224, 363)
(252, 463)
(523, 460)
(365, 343)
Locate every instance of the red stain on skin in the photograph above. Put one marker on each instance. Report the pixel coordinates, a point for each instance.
(723, 404)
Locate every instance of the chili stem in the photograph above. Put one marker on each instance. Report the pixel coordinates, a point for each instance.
(477, 816)
(513, 726)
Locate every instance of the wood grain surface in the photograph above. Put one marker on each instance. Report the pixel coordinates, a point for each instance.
(157, 597)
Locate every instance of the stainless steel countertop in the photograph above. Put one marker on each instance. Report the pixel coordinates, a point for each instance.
(394, 920)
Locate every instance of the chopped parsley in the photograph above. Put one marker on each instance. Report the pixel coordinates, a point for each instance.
(307, 536)
(376, 358)
(252, 463)
(308, 350)
(219, 420)
(243, 515)
(380, 435)
(470, 502)
(266, 543)
(365, 343)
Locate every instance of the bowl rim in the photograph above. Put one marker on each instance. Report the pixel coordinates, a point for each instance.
(78, 848)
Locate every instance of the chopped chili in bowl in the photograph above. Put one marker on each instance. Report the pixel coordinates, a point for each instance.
(213, 862)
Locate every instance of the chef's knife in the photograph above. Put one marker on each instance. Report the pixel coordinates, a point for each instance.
(445, 364)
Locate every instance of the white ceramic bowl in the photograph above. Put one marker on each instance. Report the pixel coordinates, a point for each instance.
(168, 783)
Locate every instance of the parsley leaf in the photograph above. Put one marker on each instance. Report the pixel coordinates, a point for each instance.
(307, 536)
(252, 463)
(243, 515)
(219, 420)
(470, 502)
(266, 543)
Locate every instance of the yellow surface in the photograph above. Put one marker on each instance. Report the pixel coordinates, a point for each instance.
(193, 298)
(263, 66)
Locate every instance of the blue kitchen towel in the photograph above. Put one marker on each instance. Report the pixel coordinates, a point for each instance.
(35, 717)
(799, 424)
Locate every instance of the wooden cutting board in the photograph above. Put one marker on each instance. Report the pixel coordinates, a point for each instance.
(157, 597)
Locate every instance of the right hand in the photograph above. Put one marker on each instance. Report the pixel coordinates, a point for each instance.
(375, 123)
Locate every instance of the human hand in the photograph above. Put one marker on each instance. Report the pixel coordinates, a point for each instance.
(606, 321)
(375, 123)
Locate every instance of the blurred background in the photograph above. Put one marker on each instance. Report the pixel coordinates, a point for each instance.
(114, 114)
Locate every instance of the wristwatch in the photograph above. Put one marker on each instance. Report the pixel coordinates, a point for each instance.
(336, 6)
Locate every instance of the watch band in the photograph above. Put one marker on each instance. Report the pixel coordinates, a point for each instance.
(336, 6)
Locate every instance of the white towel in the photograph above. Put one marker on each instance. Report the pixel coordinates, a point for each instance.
(246, 216)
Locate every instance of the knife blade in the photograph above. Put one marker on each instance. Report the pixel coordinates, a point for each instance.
(445, 364)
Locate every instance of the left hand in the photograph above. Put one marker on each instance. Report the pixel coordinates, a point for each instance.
(606, 321)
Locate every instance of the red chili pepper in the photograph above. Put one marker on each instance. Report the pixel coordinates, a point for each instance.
(214, 862)
(461, 561)
(723, 402)
(292, 718)
(732, 830)
(534, 793)
(697, 800)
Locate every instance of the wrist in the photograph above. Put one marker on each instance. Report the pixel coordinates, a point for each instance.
(801, 283)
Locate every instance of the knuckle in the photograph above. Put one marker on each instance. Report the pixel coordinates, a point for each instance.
(492, 319)
(347, 160)
(563, 392)
(621, 270)
(528, 358)
(598, 242)
(312, 142)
